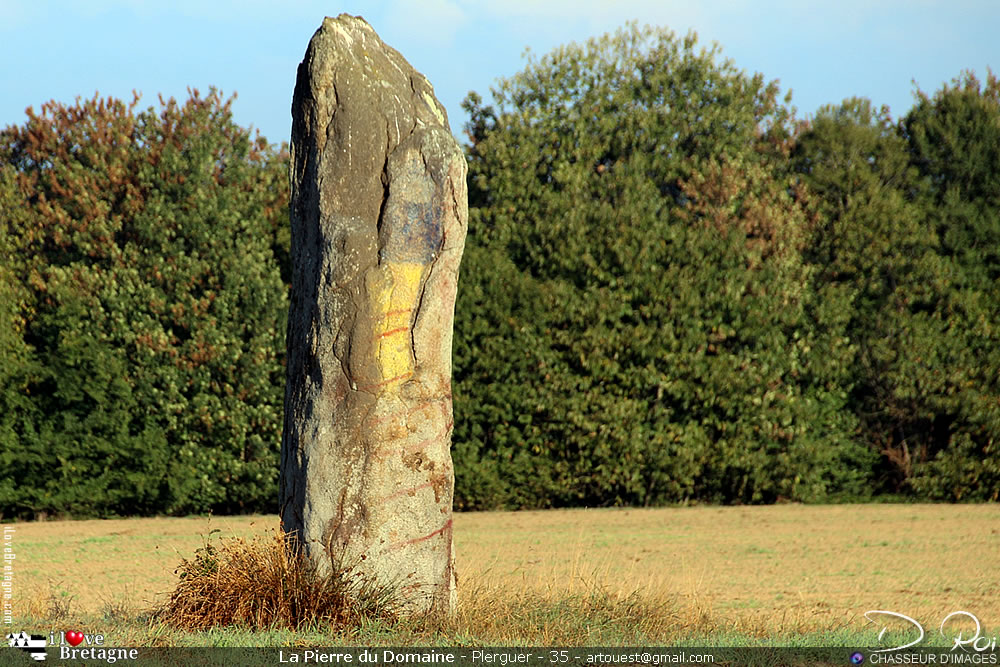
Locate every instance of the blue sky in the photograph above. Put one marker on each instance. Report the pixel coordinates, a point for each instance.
(823, 51)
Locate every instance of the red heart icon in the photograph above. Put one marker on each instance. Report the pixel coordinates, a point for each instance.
(74, 638)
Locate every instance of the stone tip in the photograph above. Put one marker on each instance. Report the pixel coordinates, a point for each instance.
(347, 19)
(345, 28)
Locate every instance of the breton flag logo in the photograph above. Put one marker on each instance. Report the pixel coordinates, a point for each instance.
(34, 645)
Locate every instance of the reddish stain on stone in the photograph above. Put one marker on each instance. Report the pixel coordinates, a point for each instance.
(417, 540)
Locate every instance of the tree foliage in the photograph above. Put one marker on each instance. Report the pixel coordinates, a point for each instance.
(954, 142)
(873, 242)
(143, 374)
(911, 228)
(650, 334)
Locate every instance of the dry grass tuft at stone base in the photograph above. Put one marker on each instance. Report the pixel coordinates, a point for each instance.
(261, 584)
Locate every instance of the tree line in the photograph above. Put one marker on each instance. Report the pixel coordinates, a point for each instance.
(673, 290)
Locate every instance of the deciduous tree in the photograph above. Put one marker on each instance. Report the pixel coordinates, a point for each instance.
(635, 309)
(150, 310)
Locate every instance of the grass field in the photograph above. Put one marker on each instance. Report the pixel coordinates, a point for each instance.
(701, 574)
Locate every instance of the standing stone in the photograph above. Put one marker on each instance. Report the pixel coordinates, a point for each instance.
(379, 216)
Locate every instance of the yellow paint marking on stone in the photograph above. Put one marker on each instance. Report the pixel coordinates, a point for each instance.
(396, 300)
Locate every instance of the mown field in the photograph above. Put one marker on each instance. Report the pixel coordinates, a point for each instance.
(665, 575)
